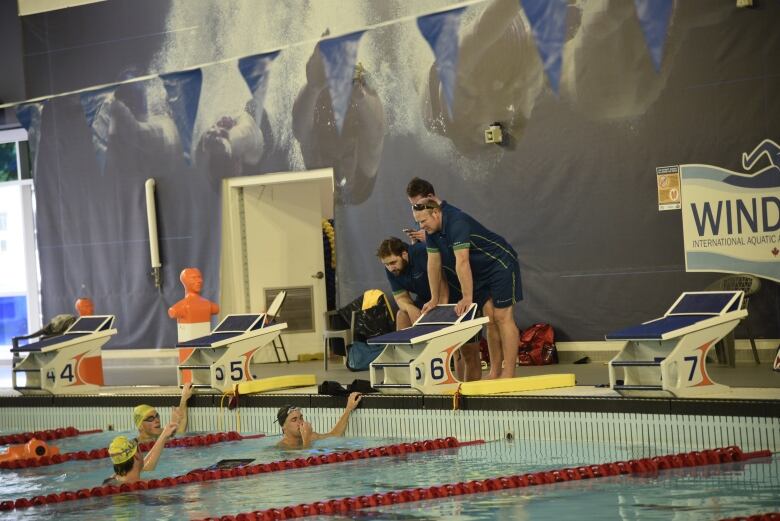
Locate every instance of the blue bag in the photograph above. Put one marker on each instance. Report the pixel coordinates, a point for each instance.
(360, 355)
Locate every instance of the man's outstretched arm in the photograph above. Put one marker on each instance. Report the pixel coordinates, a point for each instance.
(341, 426)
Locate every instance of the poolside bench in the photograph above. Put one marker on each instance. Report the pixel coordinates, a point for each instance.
(69, 363)
(419, 358)
(668, 355)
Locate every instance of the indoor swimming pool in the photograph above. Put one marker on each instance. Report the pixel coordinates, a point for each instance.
(708, 492)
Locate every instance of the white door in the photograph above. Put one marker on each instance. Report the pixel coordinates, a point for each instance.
(275, 242)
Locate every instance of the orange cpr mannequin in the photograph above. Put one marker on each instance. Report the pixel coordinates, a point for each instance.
(192, 313)
(32, 449)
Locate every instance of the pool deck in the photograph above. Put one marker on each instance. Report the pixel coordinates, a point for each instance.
(754, 390)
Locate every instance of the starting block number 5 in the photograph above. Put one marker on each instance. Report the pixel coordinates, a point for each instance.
(236, 372)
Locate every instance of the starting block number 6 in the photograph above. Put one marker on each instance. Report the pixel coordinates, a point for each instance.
(437, 370)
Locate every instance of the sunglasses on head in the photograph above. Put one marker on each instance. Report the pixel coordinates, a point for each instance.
(417, 207)
(155, 416)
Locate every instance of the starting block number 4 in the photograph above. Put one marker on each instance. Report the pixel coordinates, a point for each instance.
(65, 374)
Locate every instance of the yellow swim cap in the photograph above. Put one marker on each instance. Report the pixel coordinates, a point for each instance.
(141, 412)
(122, 449)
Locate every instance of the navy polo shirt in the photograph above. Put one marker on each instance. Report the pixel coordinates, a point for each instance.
(488, 252)
(414, 278)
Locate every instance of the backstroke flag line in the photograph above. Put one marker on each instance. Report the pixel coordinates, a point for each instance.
(97, 111)
(183, 94)
(255, 71)
(339, 56)
(440, 30)
(654, 18)
(548, 25)
(29, 116)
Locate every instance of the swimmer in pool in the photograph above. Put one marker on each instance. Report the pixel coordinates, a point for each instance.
(147, 419)
(128, 459)
(297, 433)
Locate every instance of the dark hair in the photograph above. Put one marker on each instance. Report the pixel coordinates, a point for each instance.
(391, 246)
(417, 187)
(284, 412)
(121, 469)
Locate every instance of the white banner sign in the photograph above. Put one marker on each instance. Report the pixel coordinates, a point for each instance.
(731, 220)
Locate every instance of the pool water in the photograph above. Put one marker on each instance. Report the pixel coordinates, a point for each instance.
(710, 492)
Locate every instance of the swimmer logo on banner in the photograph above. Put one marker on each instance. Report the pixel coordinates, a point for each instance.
(731, 220)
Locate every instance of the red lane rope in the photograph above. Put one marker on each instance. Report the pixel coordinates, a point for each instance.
(771, 516)
(640, 466)
(50, 434)
(188, 441)
(211, 475)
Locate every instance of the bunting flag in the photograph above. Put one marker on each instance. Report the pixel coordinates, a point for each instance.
(338, 57)
(440, 30)
(29, 116)
(183, 94)
(654, 18)
(254, 69)
(96, 105)
(548, 25)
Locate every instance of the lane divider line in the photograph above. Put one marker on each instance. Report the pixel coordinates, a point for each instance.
(248, 470)
(639, 466)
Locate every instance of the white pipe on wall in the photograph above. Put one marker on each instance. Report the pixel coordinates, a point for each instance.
(151, 221)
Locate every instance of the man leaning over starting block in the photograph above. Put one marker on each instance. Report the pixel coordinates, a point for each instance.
(147, 419)
(297, 433)
(407, 273)
(468, 362)
(487, 269)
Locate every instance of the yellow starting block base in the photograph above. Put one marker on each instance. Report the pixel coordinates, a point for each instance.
(276, 383)
(515, 385)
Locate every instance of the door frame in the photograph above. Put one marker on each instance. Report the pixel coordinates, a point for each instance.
(234, 287)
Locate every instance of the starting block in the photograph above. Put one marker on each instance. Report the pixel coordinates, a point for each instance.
(669, 354)
(222, 359)
(419, 358)
(69, 363)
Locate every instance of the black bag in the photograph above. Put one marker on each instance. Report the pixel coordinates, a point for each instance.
(369, 322)
(372, 322)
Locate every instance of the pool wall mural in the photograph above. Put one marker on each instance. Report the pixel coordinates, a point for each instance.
(571, 186)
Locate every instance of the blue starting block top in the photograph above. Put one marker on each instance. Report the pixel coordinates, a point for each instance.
(689, 309)
(83, 326)
(230, 326)
(438, 318)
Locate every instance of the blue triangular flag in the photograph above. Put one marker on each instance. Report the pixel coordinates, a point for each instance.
(441, 32)
(654, 18)
(29, 116)
(254, 69)
(183, 94)
(338, 57)
(548, 24)
(96, 105)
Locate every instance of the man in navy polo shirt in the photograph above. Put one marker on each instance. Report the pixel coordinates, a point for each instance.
(487, 269)
(407, 272)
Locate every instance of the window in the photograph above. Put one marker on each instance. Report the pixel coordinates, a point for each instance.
(19, 296)
(9, 166)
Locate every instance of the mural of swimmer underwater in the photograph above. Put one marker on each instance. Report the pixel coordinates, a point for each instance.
(649, 431)
(582, 141)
